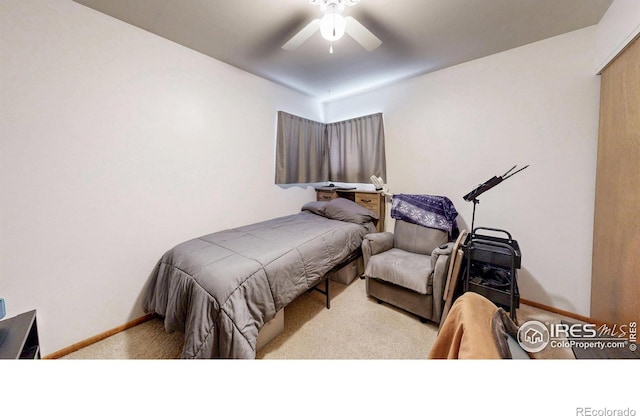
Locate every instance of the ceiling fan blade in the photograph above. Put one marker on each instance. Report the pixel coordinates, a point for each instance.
(300, 37)
(361, 34)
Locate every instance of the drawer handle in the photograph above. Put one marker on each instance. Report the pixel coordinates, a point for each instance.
(365, 200)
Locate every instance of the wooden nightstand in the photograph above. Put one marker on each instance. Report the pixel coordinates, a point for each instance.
(372, 200)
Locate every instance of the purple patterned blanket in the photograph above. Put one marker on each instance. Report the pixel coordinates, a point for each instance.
(426, 210)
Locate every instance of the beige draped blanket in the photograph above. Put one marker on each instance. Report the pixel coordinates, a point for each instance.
(474, 329)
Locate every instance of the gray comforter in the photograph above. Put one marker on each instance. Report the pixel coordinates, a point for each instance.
(220, 289)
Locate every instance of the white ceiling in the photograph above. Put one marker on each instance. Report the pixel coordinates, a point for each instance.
(418, 36)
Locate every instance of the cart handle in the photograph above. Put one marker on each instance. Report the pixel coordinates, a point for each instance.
(492, 229)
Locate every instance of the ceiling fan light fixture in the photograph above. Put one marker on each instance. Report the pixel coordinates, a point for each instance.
(332, 26)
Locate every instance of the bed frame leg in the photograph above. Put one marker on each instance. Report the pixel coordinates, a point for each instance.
(324, 292)
(326, 289)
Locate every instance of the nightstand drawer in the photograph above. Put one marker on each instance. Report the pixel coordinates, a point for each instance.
(369, 201)
(326, 195)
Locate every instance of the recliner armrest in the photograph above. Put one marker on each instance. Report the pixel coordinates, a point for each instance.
(440, 262)
(444, 249)
(375, 243)
(379, 242)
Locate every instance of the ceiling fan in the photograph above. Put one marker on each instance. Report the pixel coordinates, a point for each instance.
(333, 26)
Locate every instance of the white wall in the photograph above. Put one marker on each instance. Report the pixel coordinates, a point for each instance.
(116, 145)
(617, 28)
(450, 130)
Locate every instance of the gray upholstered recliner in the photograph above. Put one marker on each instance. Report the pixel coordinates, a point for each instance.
(408, 268)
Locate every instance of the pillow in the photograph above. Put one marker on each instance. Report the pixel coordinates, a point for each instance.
(316, 207)
(345, 210)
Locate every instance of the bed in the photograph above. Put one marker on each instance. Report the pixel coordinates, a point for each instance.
(221, 288)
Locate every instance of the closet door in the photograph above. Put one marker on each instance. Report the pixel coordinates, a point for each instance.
(615, 285)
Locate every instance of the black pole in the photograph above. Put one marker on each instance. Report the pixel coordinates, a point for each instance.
(473, 217)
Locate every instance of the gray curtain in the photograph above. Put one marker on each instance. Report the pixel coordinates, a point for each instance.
(356, 149)
(302, 155)
(346, 151)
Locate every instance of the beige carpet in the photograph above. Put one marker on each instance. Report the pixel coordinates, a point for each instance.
(355, 327)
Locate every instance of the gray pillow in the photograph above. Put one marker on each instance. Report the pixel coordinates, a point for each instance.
(343, 209)
(316, 207)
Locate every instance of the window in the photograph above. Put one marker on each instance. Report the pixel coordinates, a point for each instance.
(346, 151)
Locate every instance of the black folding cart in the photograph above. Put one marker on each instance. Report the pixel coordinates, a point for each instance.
(491, 267)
